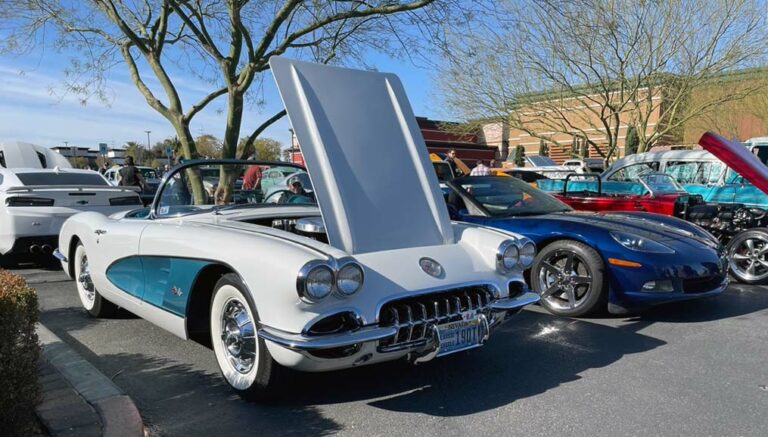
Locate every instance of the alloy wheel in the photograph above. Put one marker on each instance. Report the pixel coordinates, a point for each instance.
(565, 280)
(749, 258)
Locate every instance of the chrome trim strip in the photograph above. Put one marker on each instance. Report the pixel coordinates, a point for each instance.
(300, 342)
(59, 256)
(507, 304)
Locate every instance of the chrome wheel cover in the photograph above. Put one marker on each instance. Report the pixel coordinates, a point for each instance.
(565, 280)
(84, 280)
(749, 258)
(238, 336)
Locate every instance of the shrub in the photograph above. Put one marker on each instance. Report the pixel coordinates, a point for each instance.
(19, 353)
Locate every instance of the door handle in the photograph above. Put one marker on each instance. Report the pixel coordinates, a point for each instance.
(99, 232)
(639, 206)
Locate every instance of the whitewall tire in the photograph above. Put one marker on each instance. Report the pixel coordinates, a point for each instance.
(90, 298)
(243, 358)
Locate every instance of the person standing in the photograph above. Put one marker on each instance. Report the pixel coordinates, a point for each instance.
(451, 160)
(480, 169)
(130, 176)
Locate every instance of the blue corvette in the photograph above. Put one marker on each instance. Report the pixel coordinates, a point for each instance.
(590, 261)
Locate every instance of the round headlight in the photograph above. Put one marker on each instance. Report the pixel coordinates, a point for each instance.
(316, 282)
(349, 279)
(507, 256)
(527, 253)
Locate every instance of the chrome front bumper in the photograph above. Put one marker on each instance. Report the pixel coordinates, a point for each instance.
(300, 342)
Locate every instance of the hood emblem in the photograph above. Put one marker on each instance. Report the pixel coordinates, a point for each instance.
(431, 267)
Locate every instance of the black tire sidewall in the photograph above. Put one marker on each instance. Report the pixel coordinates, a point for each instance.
(597, 299)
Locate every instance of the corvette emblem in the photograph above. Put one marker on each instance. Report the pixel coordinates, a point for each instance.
(176, 291)
(82, 202)
(431, 267)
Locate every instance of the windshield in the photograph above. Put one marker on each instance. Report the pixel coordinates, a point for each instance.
(53, 178)
(660, 183)
(509, 197)
(148, 173)
(443, 170)
(541, 161)
(202, 187)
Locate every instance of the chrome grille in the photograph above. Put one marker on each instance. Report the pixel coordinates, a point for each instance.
(414, 316)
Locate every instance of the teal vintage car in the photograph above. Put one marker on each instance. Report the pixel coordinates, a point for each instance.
(698, 171)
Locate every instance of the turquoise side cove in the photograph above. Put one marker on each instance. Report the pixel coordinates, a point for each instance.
(161, 281)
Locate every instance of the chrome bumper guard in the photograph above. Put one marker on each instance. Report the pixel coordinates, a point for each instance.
(299, 342)
(514, 303)
(59, 256)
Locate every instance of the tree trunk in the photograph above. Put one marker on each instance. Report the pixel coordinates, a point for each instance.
(234, 121)
(189, 151)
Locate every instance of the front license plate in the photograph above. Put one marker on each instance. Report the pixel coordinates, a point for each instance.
(459, 336)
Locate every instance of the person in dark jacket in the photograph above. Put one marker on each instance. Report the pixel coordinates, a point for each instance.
(130, 176)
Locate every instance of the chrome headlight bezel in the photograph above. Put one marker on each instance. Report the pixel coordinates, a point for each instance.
(348, 265)
(634, 242)
(507, 256)
(527, 254)
(303, 281)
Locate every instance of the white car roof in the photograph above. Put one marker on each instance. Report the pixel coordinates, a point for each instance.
(373, 179)
(18, 154)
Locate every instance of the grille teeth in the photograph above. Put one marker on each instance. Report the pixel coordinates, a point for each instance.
(414, 315)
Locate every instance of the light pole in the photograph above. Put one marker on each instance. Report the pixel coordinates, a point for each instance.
(148, 132)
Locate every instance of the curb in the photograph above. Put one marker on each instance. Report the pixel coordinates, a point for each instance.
(117, 413)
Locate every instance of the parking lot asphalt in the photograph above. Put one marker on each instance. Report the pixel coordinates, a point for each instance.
(695, 368)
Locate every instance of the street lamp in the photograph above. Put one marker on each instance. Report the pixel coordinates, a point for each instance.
(148, 146)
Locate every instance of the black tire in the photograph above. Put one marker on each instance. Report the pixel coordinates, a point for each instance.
(740, 256)
(93, 302)
(587, 262)
(9, 261)
(265, 377)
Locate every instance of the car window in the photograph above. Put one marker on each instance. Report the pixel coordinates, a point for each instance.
(695, 172)
(503, 197)
(52, 178)
(630, 173)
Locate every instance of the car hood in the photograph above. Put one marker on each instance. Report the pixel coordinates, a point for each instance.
(737, 157)
(640, 226)
(365, 156)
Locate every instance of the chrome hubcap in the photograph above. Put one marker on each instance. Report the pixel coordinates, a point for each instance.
(85, 279)
(238, 336)
(565, 280)
(748, 259)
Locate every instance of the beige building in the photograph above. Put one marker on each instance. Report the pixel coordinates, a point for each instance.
(566, 122)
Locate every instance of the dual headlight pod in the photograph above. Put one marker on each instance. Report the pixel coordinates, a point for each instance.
(318, 279)
(511, 253)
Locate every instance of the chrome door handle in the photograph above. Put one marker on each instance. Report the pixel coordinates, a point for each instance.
(99, 232)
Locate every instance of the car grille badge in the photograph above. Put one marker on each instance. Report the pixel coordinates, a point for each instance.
(431, 267)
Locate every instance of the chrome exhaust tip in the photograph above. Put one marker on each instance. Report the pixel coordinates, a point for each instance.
(47, 249)
(34, 249)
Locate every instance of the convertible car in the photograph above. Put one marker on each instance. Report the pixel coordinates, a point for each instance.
(588, 261)
(341, 279)
(740, 228)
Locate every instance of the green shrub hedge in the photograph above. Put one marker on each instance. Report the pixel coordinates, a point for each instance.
(19, 353)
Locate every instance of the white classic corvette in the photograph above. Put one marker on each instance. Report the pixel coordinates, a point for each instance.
(39, 190)
(365, 268)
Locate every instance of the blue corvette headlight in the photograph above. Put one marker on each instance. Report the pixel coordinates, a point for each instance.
(640, 244)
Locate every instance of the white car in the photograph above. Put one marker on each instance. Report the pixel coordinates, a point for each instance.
(151, 178)
(35, 200)
(366, 268)
(586, 165)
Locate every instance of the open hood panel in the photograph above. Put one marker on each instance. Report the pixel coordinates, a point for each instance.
(736, 156)
(365, 155)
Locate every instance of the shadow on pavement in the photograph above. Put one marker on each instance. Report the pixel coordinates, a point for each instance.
(530, 355)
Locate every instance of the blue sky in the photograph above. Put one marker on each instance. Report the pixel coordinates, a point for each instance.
(35, 109)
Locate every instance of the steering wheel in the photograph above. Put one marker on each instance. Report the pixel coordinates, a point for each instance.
(274, 194)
